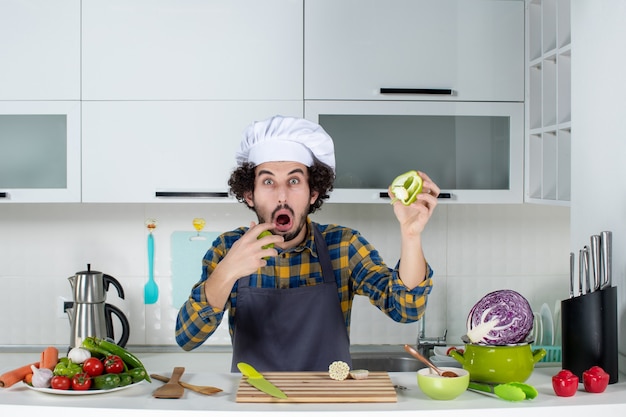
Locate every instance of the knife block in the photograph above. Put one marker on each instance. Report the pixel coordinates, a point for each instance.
(589, 332)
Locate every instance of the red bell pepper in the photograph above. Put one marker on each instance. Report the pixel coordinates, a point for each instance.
(595, 379)
(565, 383)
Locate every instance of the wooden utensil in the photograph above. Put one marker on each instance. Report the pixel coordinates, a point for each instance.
(206, 390)
(416, 354)
(171, 389)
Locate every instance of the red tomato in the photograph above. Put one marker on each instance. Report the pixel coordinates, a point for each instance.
(81, 382)
(93, 366)
(565, 383)
(113, 364)
(595, 379)
(60, 382)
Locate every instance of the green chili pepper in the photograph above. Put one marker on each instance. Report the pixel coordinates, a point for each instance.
(406, 187)
(66, 367)
(92, 345)
(107, 381)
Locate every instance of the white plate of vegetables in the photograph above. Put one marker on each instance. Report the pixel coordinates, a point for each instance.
(85, 392)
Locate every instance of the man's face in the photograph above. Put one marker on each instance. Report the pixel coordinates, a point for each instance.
(282, 197)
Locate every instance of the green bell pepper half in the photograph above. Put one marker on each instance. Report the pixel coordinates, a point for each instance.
(406, 187)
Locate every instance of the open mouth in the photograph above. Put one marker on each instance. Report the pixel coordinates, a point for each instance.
(283, 221)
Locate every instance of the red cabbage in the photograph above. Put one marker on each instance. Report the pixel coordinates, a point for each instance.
(502, 317)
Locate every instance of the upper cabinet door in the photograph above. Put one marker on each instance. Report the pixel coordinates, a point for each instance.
(40, 50)
(355, 48)
(192, 50)
(166, 151)
(40, 151)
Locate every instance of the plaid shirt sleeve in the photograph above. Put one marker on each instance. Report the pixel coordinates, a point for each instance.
(371, 277)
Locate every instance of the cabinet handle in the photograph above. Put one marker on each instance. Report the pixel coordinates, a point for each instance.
(3, 194)
(431, 91)
(192, 194)
(441, 195)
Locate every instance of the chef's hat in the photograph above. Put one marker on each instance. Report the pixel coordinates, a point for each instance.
(282, 138)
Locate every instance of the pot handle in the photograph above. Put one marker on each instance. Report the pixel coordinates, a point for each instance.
(111, 309)
(538, 354)
(458, 356)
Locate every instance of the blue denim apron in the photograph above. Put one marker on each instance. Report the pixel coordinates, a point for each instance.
(291, 329)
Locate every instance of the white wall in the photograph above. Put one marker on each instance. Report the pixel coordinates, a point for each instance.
(598, 135)
(473, 249)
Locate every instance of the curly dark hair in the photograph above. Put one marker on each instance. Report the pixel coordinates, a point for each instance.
(321, 179)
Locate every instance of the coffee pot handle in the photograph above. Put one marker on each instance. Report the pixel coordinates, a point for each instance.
(108, 279)
(108, 311)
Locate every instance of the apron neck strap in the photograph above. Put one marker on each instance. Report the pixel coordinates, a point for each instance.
(322, 252)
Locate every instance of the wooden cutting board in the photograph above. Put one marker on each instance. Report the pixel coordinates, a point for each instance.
(317, 387)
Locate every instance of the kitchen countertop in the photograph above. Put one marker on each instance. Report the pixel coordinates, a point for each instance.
(212, 367)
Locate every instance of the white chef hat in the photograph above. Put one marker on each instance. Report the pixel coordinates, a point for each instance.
(282, 138)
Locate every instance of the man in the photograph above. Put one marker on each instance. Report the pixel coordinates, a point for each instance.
(289, 295)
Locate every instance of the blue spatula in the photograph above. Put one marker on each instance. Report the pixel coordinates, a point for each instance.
(151, 290)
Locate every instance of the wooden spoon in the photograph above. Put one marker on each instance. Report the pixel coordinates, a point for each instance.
(206, 390)
(171, 389)
(416, 354)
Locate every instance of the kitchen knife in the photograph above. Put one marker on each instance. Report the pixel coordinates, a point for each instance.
(581, 268)
(606, 249)
(586, 272)
(595, 261)
(255, 379)
(571, 274)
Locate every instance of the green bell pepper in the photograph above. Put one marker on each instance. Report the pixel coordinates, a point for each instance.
(66, 367)
(107, 381)
(406, 187)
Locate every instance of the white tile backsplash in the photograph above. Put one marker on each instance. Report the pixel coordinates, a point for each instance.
(473, 249)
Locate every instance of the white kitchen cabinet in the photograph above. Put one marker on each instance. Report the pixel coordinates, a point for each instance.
(166, 151)
(40, 50)
(192, 50)
(473, 151)
(355, 48)
(548, 102)
(39, 151)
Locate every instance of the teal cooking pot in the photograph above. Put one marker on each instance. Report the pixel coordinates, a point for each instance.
(498, 364)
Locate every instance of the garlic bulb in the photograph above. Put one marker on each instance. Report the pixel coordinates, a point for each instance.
(41, 377)
(78, 355)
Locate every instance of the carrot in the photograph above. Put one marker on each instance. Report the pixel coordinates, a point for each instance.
(49, 358)
(13, 376)
(29, 378)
